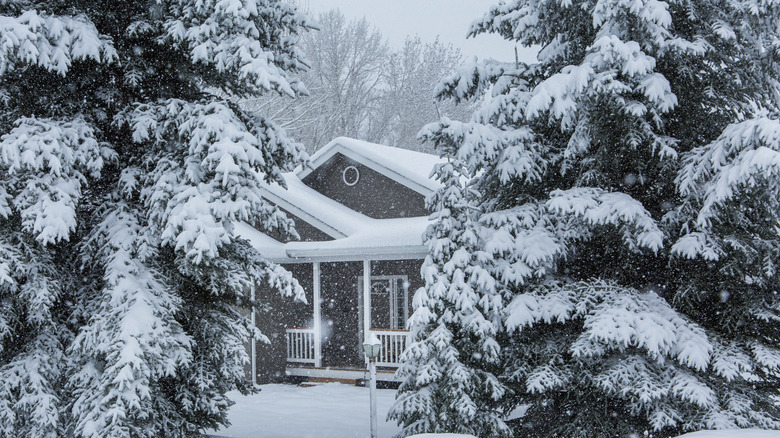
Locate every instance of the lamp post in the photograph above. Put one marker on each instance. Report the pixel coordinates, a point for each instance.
(372, 347)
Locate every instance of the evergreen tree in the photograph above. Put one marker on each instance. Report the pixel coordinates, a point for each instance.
(121, 175)
(620, 226)
(451, 384)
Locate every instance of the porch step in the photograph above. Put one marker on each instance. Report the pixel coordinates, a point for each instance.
(350, 375)
(316, 381)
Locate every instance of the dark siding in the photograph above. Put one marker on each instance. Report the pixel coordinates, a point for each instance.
(308, 232)
(410, 268)
(278, 313)
(374, 195)
(247, 345)
(341, 343)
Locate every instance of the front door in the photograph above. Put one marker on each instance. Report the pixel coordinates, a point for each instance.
(389, 302)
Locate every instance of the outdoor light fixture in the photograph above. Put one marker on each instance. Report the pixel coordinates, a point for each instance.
(372, 347)
(372, 350)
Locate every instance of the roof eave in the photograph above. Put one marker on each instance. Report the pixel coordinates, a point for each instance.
(354, 254)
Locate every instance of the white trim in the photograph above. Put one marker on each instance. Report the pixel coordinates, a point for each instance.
(344, 176)
(357, 254)
(366, 161)
(319, 159)
(394, 342)
(300, 345)
(366, 299)
(317, 315)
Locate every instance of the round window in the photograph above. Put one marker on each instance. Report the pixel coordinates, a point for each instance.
(350, 175)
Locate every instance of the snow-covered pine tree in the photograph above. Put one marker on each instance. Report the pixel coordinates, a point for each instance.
(450, 384)
(121, 175)
(624, 209)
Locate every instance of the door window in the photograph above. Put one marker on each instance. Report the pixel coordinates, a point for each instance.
(389, 301)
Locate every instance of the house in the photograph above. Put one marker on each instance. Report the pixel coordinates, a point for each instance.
(360, 212)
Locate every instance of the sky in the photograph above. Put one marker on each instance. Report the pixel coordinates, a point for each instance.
(449, 19)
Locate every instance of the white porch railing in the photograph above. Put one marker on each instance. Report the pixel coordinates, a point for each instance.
(394, 343)
(300, 345)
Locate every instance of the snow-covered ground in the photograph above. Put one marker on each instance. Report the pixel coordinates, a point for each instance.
(332, 410)
(744, 433)
(441, 435)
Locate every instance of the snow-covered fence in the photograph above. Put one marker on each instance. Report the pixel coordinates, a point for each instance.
(300, 345)
(393, 344)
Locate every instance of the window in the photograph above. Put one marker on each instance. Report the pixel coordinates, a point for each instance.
(350, 175)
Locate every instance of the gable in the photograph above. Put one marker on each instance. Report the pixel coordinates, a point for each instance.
(364, 190)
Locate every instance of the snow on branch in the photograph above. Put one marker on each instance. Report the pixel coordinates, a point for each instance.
(649, 11)
(512, 20)
(27, 384)
(242, 270)
(30, 291)
(689, 388)
(732, 363)
(558, 93)
(599, 207)
(611, 67)
(743, 160)
(197, 198)
(548, 378)
(523, 242)
(132, 339)
(532, 308)
(11, 262)
(696, 244)
(46, 162)
(634, 378)
(237, 37)
(645, 321)
(615, 318)
(745, 154)
(635, 347)
(471, 81)
(52, 43)
(475, 146)
(767, 357)
(5, 203)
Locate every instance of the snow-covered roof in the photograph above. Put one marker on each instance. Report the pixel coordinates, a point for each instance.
(355, 235)
(411, 168)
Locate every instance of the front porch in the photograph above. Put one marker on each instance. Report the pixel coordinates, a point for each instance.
(347, 300)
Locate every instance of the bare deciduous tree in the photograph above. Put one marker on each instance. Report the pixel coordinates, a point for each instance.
(359, 88)
(408, 100)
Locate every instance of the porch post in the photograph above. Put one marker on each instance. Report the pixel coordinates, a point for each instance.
(366, 298)
(253, 349)
(317, 316)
